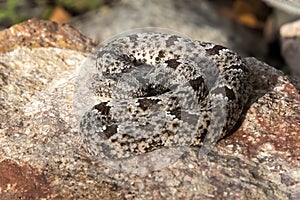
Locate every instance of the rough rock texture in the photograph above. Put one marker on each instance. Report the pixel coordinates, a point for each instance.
(19, 181)
(39, 140)
(38, 33)
(290, 45)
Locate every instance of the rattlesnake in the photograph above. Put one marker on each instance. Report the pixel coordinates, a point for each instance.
(160, 90)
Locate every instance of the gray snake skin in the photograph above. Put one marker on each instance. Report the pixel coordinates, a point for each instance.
(160, 90)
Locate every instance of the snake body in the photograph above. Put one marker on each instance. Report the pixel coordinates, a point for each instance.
(161, 90)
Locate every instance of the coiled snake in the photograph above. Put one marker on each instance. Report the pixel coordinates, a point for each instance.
(160, 90)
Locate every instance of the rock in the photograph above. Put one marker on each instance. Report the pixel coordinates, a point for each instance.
(290, 45)
(39, 136)
(291, 6)
(35, 33)
(21, 182)
(199, 20)
(281, 20)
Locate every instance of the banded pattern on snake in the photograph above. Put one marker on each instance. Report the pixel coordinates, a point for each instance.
(159, 90)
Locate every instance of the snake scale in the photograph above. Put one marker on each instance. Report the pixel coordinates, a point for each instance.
(159, 90)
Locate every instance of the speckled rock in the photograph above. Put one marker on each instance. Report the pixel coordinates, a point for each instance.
(20, 181)
(39, 134)
(38, 33)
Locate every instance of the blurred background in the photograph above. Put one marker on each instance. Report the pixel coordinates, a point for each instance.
(251, 28)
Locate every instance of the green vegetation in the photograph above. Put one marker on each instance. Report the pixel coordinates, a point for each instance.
(80, 5)
(10, 12)
(14, 11)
